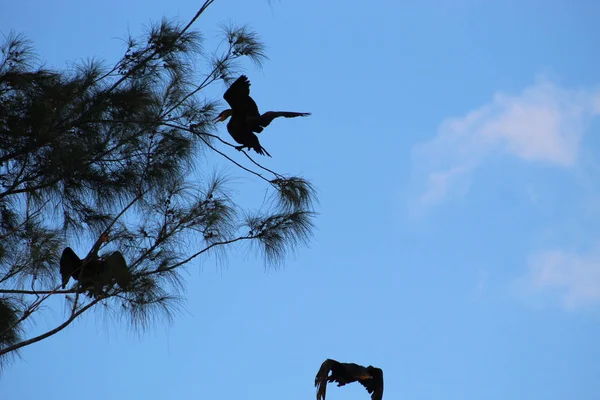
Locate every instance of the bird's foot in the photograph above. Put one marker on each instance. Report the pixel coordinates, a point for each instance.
(239, 148)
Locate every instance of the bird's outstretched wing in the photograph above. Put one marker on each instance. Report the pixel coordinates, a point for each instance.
(374, 385)
(117, 269)
(321, 378)
(237, 91)
(238, 97)
(269, 116)
(69, 264)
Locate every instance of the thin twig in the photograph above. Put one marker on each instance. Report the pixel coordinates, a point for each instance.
(31, 308)
(35, 292)
(200, 134)
(204, 250)
(201, 86)
(265, 168)
(96, 246)
(233, 161)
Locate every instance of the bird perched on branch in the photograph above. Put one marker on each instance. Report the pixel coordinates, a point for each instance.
(71, 265)
(94, 272)
(245, 118)
(343, 373)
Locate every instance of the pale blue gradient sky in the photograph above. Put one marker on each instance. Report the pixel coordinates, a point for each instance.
(455, 150)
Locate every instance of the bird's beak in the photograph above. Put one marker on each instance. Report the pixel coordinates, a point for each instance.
(218, 119)
(366, 377)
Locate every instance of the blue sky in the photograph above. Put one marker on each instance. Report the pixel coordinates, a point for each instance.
(455, 148)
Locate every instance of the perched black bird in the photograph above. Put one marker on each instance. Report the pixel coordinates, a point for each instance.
(94, 272)
(89, 272)
(245, 118)
(343, 373)
(84, 271)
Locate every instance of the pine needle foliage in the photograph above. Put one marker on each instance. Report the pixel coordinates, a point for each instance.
(108, 155)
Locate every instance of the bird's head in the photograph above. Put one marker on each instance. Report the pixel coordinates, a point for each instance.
(223, 116)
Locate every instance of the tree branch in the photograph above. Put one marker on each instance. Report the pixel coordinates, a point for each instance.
(204, 250)
(43, 336)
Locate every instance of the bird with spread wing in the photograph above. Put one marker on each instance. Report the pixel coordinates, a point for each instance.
(245, 117)
(94, 272)
(343, 373)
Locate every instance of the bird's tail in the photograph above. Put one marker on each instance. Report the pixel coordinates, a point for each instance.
(261, 150)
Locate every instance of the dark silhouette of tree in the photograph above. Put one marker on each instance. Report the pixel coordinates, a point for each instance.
(109, 154)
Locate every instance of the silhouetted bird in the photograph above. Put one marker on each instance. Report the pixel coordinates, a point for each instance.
(343, 373)
(245, 118)
(84, 271)
(94, 272)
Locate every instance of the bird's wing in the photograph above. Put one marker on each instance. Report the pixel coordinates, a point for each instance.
(69, 262)
(117, 268)
(238, 98)
(321, 378)
(237, 92)
(374, 385)
(269, 116)
(250, 107)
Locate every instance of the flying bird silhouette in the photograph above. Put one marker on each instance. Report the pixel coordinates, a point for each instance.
(343, 373)
(245, 117)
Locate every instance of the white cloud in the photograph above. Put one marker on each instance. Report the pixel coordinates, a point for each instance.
(544, 123)
(576, 277)
(439, 183)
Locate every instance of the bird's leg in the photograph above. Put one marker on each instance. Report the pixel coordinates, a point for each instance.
(239, 148)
